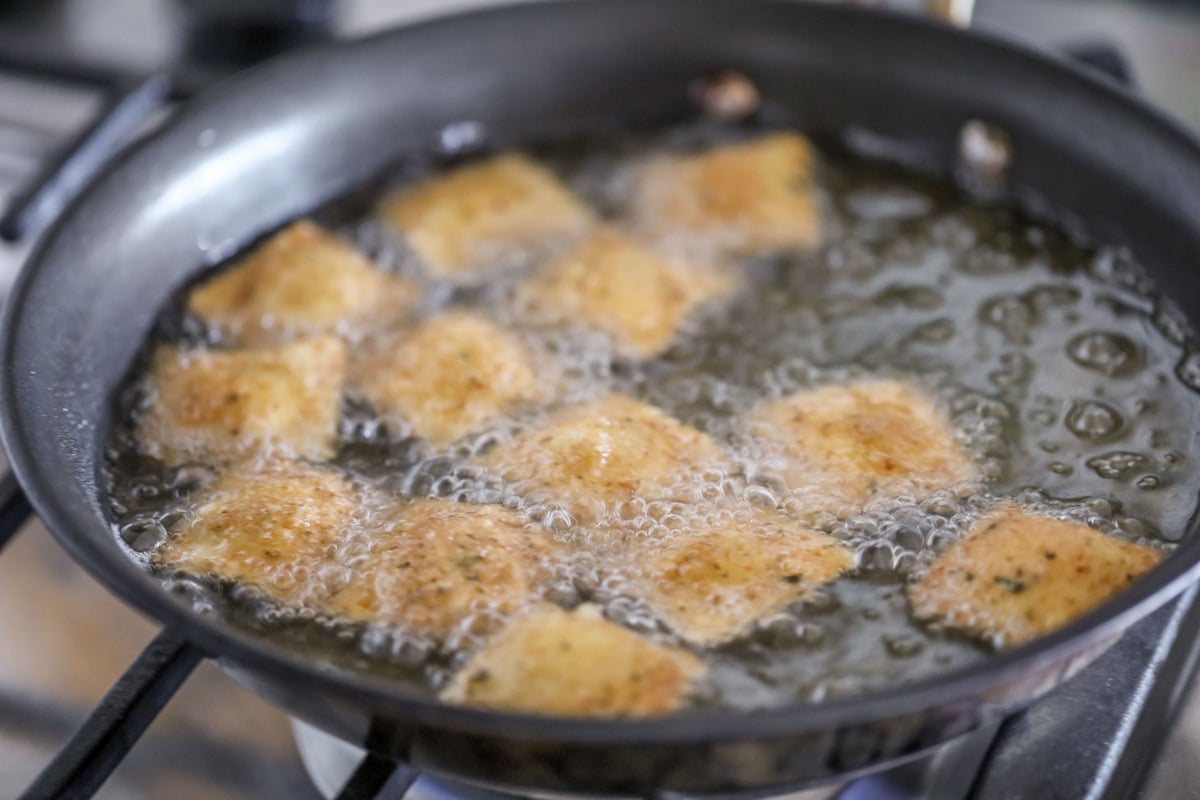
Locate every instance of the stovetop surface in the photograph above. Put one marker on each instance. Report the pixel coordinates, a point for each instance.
(64, 640)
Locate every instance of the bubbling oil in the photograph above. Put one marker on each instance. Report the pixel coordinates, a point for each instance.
(1067, 379)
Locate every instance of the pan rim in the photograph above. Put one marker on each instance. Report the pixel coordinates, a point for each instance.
(127, 580)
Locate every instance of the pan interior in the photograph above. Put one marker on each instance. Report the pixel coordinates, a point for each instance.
(1054, 358)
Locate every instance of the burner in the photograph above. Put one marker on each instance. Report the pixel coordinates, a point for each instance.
(1115, 713)
(330, 762)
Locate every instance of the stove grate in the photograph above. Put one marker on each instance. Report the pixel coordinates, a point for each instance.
(125, 109)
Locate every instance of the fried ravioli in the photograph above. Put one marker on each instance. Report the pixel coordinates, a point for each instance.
(742, 199)
(575, 664)
(595, 455)
(612, 284)
(447, 376)
(711, 585)
(301, 281)
(1016, 576)
(460, 221)
(844, 445)
(219, 404)
(283, 529)
(435, 565)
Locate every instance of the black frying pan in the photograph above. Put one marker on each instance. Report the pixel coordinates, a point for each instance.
(284, 139)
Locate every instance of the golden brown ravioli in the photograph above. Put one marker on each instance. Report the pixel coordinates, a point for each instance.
(283, 529)
(713, 582)
(435, 565)
(595, 455)
(222, 404)
(614, 285)
(1016, 576)
(843, 445)
(460, 222)
(447, 376)
(575, 664)
(741, 199)
(301, 281)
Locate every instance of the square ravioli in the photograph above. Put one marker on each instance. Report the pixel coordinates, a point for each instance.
(613, 285)
(446, 376)
(441, 568)
(1016, 576)
(460, 222)
(575, 664)
(222, 404)
(596, 455)
(844, 445)
(284, 529)
(301, 281)
(713, 581)
(742, 199)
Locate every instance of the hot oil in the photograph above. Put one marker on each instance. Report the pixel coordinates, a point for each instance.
(1065, 377)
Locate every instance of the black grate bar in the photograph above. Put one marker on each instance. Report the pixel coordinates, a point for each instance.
(14, 508)
(57, 65)
(376, 773)
(96, 749)
(64, 67)
(125, 108)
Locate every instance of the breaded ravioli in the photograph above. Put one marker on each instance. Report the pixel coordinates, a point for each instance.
(614, 285)
(743, 199)
(460, 221)
(711, 583)
(1016, 576)
(301, 281)
(844, 445)
(595, 455)
(285, 529)
(575, 664)
(220, 404)
(446, 376)
(435, 565)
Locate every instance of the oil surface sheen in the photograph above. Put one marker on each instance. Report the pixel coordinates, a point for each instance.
(1067, 381)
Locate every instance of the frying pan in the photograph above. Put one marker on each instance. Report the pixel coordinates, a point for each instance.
(283, 139)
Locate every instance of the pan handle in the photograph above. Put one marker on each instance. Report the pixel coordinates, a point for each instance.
(955, 12)
(958, 13)
(14, 507)
(376, 773)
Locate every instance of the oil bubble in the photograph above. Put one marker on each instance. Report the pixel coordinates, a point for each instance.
(1188, 370)
(1043, 416)
(1012, 315)
(1117, 464)
(939, 331)
(1044, 298)
(1015, 370)
(1148, 482)
(1093, 420)
(1110, 353)
(1172, 324)
(903, 646)
(782, 630)
(143, 536)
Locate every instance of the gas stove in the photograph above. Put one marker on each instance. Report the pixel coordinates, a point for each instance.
(77, 80)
